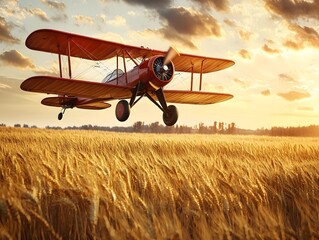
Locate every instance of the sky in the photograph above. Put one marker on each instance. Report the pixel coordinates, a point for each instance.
(274, 43)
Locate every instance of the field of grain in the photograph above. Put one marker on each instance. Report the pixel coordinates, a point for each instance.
(99, 185)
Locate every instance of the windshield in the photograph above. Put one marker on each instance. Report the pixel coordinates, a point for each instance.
(113, 75)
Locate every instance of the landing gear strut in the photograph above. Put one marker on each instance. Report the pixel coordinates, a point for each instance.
(170, 113)
(123, 108)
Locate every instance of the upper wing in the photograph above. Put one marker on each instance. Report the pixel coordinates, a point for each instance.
(58, 42)
(192, 97)
(53, 41)
(75, 88)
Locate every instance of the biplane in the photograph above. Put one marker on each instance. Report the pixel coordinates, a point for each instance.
(153, 70)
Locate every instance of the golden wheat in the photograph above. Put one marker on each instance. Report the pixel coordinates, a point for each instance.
(99, 185)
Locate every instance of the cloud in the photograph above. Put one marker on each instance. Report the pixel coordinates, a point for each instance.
(291, 9)
(60, 7)
(4, 86)
(240, 82)
(244, 54)
(230, 23)
(245, 35)
(131, 13)
(310, 109)
(5, 34)
(294, 95)
(190, 22)
(54, 4)
(171, 36)
(83, 20)
(286, 78)
(61, 17)
(219, 5)
(38, 12)
(149, 4)
(184, 25)
(270, 50)
(116, 21)
(304, 37)
(265, 92)
(16, 59)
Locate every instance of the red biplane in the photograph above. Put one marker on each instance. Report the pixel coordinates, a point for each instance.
(154, 69)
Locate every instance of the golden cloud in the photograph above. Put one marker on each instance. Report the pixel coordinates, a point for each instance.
(16, 59)
(244, 54)
(5, 32)
(265, 92)
(270, 50)
(294, 95)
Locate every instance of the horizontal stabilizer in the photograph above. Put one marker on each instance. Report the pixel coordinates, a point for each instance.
(94, 104)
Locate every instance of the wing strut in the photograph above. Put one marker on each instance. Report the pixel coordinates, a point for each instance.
(131, 57)
(60, 66)
(124, 64)
(201, 75)
(192, 77)
(69, 58)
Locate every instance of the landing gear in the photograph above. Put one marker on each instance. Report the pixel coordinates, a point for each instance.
(122, 110)
(170, 113)
(60, 116)
(123, 107)
(170, 116)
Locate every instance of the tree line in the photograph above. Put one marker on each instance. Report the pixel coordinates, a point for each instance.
(201, 128)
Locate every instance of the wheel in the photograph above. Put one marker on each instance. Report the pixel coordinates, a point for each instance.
(122, 110)
(170, 118)
(60, 116)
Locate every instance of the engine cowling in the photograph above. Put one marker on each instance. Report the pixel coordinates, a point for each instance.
(157, 74)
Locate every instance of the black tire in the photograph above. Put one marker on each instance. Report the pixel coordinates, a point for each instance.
(60, 116)
(122, 110)
(170, 118)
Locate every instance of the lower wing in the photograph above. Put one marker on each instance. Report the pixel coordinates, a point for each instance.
(192, 97)
(76, 88)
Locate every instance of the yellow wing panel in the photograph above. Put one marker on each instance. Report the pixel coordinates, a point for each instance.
(75, 88)
(192, 97)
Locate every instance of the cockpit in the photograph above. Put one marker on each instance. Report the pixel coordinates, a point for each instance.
(113, 75)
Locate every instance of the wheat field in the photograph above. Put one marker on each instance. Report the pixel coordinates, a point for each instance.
(57, 184)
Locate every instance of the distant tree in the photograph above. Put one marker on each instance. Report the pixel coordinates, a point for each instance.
(221, 127)
(17, 125)
(154, 127)
(138, 126)
(2, 125)
(25, 126)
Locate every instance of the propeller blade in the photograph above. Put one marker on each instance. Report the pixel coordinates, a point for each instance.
(170, 55)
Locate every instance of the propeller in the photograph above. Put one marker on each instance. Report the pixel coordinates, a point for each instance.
(163, 67)
(170, 55)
